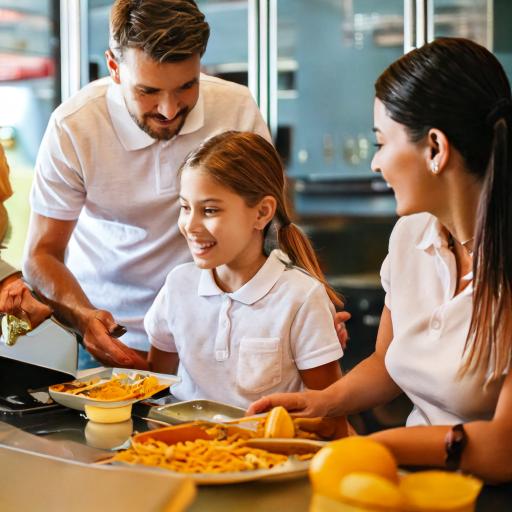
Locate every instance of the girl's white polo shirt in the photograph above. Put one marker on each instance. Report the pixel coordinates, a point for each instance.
(430, 326)
(234, 347)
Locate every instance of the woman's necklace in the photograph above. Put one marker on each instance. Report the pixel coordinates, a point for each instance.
(451, 244)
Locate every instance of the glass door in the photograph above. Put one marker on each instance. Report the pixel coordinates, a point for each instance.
(329, 54)
(485, 21)
(29, 91)
(502, 37)
(227, 55)
(461, 18)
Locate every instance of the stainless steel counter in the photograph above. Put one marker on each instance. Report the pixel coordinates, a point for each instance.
(61, 426)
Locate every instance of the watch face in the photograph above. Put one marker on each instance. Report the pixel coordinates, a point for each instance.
(455, 441)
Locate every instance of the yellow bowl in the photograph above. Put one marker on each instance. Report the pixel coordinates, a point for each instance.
(108, 414)
(108, 436)
(439, 491)
(320, 503)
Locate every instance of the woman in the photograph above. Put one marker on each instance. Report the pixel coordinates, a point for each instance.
(15, 296)
(443, 122)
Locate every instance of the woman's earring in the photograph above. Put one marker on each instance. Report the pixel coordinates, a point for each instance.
(434, 167)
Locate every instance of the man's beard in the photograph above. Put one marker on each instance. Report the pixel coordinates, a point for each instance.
(163, 133)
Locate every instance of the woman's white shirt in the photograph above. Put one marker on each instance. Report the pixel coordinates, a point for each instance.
(234, 347)
(430, 326)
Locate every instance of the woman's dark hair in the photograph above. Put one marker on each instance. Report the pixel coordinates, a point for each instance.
(250, 166)
(457, 86)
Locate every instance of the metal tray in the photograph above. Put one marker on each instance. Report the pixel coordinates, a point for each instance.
(192, 410)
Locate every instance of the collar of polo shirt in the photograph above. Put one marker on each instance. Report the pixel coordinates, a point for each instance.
(256, 288)
(434, 235)
(130, 135)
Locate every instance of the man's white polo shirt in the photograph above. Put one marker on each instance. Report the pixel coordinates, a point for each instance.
(430, 326)
(96, 166)
(234, 347)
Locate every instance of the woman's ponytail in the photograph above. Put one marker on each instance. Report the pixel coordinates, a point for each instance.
(489, 341)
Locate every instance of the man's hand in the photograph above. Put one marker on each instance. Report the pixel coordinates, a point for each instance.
(17, 299)
(97, 330)
(341, 329)
(306, 404)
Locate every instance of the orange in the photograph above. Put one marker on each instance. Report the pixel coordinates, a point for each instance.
(279, 423)
(370, 491)
(321, 503)
(351, 454)
(441, 491)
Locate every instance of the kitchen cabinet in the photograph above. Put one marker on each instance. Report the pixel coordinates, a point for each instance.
(311, 64)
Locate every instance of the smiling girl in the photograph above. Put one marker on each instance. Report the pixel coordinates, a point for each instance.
(239, 321)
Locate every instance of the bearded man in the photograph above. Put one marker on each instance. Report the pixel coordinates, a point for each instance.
(103, 233)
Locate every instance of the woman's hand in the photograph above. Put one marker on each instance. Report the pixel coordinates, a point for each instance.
(306, 404)
(17, 299)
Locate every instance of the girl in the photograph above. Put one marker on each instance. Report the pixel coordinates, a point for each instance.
(443, 121)
(240, 322)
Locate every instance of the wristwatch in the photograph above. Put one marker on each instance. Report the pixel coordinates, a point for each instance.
(454, 444)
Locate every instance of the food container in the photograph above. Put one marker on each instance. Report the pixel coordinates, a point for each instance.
(50, 345)
(439, 491)
(108, 436)
(78, 402)
(193, 410)
(47, 355)
(108, 414)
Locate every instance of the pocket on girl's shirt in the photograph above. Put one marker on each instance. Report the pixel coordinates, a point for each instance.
(259, 364)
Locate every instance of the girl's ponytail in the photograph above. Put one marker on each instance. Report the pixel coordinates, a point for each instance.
(296, 245)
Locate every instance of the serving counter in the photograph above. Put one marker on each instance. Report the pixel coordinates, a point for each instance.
(66, 431)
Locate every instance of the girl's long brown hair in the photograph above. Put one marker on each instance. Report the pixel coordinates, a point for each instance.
(250, 166)
(460, 88)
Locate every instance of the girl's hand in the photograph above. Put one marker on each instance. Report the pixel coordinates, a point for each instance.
(305, 404)
(341, 329)
(17, 299)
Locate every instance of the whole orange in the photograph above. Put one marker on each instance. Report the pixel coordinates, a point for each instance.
(351, 454)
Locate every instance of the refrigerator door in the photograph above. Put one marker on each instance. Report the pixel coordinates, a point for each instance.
(227, 54)
(329, 54)
(471, 19)
(29, 91)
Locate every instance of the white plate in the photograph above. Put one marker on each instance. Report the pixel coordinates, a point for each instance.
(78, 402)
(292, 468)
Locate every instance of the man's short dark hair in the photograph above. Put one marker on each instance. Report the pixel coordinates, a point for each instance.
(165, 30)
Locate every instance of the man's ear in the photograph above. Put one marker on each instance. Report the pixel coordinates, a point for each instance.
(266, 210)
(438, 151)
(113, 66)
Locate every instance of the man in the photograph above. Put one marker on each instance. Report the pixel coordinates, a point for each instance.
(103, 233)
